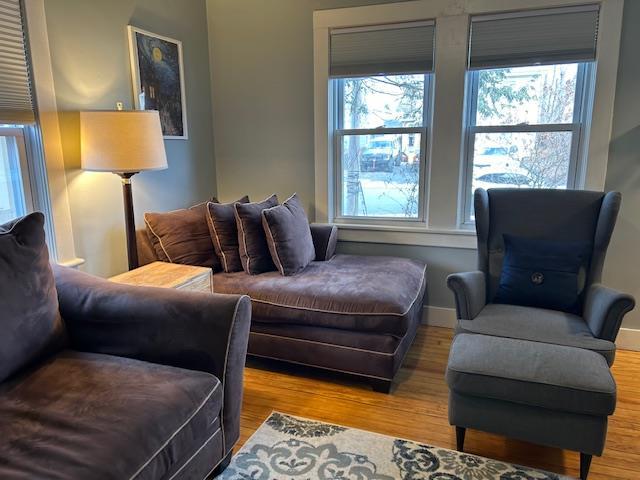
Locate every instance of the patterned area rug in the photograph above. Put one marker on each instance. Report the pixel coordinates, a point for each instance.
(290, 448)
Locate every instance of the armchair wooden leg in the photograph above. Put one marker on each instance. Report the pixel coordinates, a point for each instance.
(460, 433)
(585, 463)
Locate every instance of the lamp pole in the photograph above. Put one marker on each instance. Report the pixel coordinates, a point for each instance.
(129, 219)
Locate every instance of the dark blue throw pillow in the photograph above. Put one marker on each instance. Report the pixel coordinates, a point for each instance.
(543, 273)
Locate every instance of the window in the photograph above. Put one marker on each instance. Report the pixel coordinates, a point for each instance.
(525, 127)
(380, 89)
(15, 190)
(527, 99)
(416, 104)
(380, 146)
(23, 176)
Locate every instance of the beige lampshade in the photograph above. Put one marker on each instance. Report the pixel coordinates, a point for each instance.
(121, 141)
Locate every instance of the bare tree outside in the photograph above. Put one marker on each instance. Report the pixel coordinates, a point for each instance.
(539, 95)
(381, 171)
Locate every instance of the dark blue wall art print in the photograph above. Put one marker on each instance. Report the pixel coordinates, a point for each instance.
(158, 82)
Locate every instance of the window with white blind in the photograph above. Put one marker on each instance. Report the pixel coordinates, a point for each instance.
(23, 179)
(483, 93)
(380, 81)
(529, 87)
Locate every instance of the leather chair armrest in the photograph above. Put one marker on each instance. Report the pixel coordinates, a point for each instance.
(325, 240)
(604, 309)
(469, 290)
(192, 330)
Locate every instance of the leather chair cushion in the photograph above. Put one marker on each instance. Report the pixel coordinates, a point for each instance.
(86, 415)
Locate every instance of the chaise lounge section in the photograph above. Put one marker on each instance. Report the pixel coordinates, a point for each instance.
(345, 313)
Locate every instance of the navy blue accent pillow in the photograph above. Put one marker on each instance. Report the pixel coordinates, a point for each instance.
(543, 273)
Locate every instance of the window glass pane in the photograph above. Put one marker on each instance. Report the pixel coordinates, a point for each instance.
(381, 175)
(521, 160)
(385, 101)
(526, 95)
(12, 200)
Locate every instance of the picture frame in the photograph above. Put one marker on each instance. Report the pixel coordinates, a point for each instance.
(157, 77)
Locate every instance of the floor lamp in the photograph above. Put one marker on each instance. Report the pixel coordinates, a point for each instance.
(124, 143)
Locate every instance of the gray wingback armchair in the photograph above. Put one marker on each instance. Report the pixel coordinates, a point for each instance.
(537, 374)
(569, 215)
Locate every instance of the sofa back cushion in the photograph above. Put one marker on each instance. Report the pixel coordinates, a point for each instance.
(182, 236)
(254, 250)
(30, 322)
(289, 236)
(221, 222)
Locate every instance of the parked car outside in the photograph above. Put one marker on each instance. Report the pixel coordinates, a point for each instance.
(496, 157)
(502, 180)
(378, 156)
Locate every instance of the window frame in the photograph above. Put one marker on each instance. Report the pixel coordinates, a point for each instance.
(445, 198)
(578, 126)
(26, 174)
(338, 132)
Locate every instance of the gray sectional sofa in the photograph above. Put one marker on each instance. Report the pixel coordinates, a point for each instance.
(345, 313)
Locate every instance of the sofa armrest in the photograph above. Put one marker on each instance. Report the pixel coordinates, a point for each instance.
(192, 330)
(604, 309)
(469, 290)
(325, 240)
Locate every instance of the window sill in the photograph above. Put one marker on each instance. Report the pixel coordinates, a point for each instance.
(410, 235)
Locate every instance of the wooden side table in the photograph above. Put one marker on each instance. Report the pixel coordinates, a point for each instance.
(169, 275)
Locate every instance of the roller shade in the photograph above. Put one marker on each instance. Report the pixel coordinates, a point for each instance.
(385, 49)
(557, 35)
(16, 105)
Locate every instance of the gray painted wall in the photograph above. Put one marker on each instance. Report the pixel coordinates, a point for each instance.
(90, 57)
(622, 269)
(262, 80)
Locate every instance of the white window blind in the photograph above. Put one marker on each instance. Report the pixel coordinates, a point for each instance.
(16, 106)
(549, 36)
(385, 49)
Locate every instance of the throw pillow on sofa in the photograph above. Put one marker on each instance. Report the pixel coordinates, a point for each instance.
(29, 318)
(289, 236)
(254, 251)
(182, 236)
(543, 273)
(223, 230)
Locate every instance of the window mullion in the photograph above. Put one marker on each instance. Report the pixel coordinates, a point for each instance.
(380, 131)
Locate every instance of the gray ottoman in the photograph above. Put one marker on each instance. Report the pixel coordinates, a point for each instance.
(547, 394)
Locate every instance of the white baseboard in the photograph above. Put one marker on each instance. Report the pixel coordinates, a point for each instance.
(628, 338)
(439, 316)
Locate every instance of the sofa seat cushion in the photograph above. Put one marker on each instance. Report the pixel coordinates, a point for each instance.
(350, 292)
(537, 374)
(84, 415)
(538, 325)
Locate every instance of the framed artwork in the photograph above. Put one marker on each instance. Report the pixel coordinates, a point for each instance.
(157, 73)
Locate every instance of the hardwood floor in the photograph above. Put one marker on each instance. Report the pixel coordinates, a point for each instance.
(416, 409)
